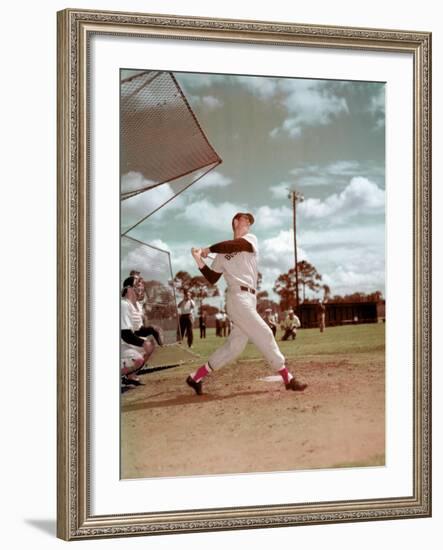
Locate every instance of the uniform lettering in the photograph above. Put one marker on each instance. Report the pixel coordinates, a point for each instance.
(230, 256)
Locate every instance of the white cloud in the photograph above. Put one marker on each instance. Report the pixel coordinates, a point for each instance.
(346, 237)
(345, 280)
(281, 190)
(151, 262)
(181, 258)
(270, 275)
(208, 101)
(137, 207)
(212, 179)
(282, 243)
(267, 218)
(134, 181)
(277, 257)
(158, 243)
(343, 236)
(293, 127)
(313, 179)
(204, 214)
(212, 102)
(349, 260)
(316, 208)
(377, 108)
(278, 251)
(336, 172)
(262, 87)
(344, 167)
(309, 104)
(361, 196)
(275, 132)
(312, 107)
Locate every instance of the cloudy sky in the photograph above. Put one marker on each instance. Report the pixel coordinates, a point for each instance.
(326, 139)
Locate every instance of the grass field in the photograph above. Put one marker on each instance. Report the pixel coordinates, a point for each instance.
(341, 340)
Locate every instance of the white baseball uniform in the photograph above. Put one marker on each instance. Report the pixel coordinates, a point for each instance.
(130, 319)
(240, 270)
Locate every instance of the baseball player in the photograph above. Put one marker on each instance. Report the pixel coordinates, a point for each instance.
(290, 326)
(322, 316)
(186, 309)
(269, 319)
(236, 260)
(135, 350)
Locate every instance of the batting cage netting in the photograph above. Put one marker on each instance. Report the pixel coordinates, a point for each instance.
(159, 303)
(162, 141)
(154, 266)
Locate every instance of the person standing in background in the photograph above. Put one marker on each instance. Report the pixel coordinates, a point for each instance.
(322, 316)
(269, 319)
(186, 310)
(202, 323)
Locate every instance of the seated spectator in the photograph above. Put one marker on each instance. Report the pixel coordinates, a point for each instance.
(142, 309)
(135, 349)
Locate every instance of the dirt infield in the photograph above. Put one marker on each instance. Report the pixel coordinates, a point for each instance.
(247, 423)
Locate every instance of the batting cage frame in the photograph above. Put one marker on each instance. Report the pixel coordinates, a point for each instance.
(161, 142)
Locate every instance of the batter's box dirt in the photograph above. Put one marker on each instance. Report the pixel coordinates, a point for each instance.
(246, 423)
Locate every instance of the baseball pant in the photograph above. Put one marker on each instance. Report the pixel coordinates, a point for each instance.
(289, 333)
(131, 358)
(186, 328)
(247, 325)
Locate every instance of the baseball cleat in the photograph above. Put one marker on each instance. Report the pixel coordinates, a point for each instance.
(196, 386)
(294, 385)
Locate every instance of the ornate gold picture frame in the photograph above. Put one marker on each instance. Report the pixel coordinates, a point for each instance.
(76, 517)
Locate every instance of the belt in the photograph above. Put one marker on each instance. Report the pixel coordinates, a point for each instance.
(247, 289)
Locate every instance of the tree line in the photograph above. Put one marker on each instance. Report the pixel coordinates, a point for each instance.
(284, 286)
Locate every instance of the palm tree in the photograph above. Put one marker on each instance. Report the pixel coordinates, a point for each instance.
(308, 277)
(285, 284)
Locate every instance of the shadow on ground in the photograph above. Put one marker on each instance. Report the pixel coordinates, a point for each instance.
(186, 400)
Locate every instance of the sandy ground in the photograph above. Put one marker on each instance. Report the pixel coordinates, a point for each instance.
(246, 422)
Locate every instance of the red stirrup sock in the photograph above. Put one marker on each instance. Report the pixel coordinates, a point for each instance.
(200, 373)
(286, 375)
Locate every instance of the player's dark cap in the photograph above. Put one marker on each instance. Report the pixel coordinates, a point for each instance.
(247, 214)
(128, 283)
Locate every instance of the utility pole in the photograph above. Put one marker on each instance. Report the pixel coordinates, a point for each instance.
(295, 197)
